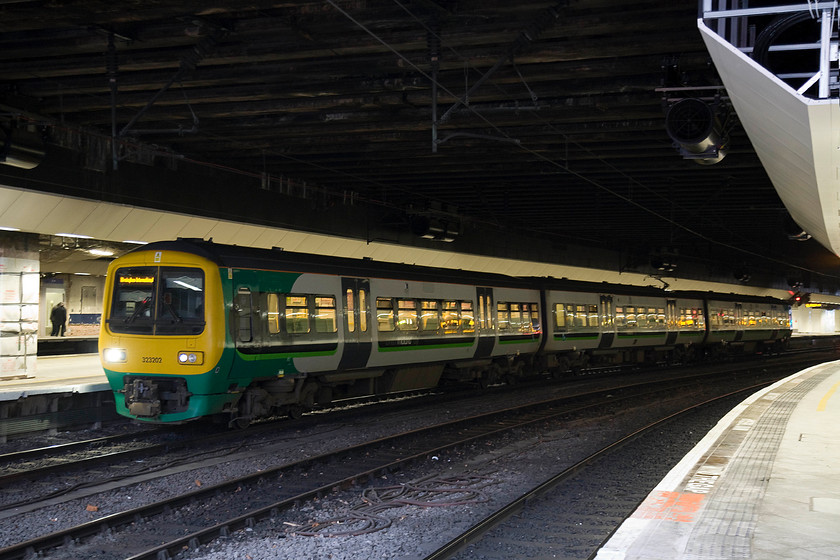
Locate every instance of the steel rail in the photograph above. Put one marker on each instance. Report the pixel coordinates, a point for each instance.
(476, 532)
(524, 415)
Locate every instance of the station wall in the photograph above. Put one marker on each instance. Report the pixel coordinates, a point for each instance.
(81, 294)
(812, 320)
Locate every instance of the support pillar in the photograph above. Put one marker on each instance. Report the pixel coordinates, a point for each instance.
(19, 290)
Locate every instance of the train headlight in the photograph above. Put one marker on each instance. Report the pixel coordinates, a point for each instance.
(114, 355)
(191, 358)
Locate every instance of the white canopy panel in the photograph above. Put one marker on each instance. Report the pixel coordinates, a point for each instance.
(796, 138)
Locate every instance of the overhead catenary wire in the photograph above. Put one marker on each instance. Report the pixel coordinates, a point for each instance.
(565, 168)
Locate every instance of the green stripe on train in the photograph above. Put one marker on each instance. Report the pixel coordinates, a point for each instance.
(420, 347)
(285, 355)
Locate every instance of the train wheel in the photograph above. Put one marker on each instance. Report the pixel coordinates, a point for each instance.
(240, 423)
(296, 411)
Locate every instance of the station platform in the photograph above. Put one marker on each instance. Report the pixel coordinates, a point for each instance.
(64, 392)
(764, 484)
(81, 373)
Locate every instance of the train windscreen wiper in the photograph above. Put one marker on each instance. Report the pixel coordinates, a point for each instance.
(144, 305)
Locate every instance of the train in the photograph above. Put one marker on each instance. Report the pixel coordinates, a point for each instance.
(195, 329)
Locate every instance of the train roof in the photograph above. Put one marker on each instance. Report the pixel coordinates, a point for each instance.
(235, 256)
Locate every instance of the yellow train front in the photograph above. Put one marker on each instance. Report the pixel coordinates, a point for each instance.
(162, 341)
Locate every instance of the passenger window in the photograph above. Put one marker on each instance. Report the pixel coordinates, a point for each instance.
(429, 318)
(407, 315)
(535, 317)
(580, 316)
(630, 317)
(467, 318)
(559, 317)
(487, 319)
(349, 309)
(503, 316)
(641, 318)
(243, 311)
(363, 311)
(593, 315)
(516, 320)
(450, 319)
(570, 316)
(325, 314)
(297, 315)
(385, 314)
(273, 313)
(620, 317)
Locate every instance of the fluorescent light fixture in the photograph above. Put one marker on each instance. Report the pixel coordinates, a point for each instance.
(82, 273)
(7, 228)
(101, 252)
(133, 242)
(76, 235)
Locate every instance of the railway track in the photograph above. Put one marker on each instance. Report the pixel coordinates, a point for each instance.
(544, 522)
(242, 502)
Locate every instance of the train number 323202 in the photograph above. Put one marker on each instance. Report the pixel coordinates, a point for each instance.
(152, 359)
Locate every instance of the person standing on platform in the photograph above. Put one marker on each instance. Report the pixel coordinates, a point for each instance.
(58, 318)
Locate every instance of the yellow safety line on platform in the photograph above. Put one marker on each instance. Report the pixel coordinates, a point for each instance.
(824, 400)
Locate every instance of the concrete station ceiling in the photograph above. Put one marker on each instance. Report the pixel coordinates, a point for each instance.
(529, 129)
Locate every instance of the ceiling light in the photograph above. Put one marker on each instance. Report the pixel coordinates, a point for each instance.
(101, 252)
(6, 228)
(75, 235)
(135, 242)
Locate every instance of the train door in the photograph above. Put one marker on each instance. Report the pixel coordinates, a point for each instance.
(356, 323)
(486, 322)
(607, 323)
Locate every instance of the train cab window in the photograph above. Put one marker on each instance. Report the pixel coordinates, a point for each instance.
(131, 306)
(385, 314)
(297, 315)
(450, 318)
(349, 309)
(325, 314)
(467, 317)
(158, 300)
(273, 313)
(407, 315)
(429, 316)
(180, 301)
